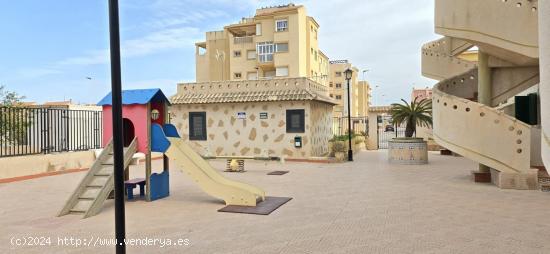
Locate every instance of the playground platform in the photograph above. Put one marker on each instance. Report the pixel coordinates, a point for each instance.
(367, 206)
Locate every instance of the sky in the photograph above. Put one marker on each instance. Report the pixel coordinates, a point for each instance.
(54, 50)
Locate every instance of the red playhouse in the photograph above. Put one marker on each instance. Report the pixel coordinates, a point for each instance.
(141, 109)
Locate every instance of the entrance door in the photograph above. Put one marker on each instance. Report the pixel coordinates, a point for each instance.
(128, 131)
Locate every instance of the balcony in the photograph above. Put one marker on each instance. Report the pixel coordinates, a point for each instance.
(243, 40)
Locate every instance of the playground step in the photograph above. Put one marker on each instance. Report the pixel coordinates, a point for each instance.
(106, 170)
(82, 205)
(98, 181)
(90, 193)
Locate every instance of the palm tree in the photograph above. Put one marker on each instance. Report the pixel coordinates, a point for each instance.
(416, 113)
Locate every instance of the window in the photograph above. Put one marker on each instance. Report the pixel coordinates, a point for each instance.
(338, 85)
(265, 51)
(258, 29)
(281, 47)
(331, 96)
(238, 75)
(197, 125)
(338, 97)
(281, 71)
(338, 74)
(281, 25)
(295, 121)
(312, 51)
(315, 52)
(330, 84)
(237, 53)
(252, 76)
(251, 54)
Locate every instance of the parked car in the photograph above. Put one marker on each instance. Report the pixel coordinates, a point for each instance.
(390, 128)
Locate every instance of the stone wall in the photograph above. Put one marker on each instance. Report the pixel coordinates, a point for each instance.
(321, 128)
(229, 136)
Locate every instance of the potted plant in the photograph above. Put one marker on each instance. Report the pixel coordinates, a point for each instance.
(339, 150)
(410, 150)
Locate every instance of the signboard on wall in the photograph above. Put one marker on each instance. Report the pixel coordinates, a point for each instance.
(241, 115)
(263, 115)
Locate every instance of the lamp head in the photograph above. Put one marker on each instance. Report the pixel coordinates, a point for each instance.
(348, 73)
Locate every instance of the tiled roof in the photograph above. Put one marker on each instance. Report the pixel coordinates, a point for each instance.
(250, 96)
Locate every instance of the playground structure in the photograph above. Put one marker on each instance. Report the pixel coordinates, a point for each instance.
(145, 131)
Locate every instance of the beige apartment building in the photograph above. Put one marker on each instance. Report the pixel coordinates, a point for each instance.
(421, 94)
(360, 90)
(491, 102)
(278, 42)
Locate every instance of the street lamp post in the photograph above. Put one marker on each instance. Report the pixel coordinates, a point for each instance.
(349, 74)
(118, 145)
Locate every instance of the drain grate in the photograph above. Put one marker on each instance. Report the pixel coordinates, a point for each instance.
(277, 173)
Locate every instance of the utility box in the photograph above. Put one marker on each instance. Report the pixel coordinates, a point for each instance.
(297, 141)
(527, 108)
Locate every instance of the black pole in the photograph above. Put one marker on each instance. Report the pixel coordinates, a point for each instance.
(350, 152)
(118, 145)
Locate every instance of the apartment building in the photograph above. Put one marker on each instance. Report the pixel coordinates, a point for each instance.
(421, 93)
(278, 42)
(360, 90)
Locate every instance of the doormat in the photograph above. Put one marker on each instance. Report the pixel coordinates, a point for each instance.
(277, 173)
(265, 207)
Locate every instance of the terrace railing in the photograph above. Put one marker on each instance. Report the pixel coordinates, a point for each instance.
(26, 131)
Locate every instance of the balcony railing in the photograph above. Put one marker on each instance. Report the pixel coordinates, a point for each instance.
(243, 40)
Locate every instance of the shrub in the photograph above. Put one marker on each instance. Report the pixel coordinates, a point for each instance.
(338, 147)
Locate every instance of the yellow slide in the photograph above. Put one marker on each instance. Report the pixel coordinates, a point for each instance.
(209, 180)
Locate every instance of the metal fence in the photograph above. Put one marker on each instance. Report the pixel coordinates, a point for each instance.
(358, 125)
(25, 131)
(388, 130)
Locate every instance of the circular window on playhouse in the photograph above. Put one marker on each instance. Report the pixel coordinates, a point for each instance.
(155, 114)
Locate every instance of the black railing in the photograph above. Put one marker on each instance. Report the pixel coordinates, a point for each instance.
(388, 130)
(25, 131)
(359, 125)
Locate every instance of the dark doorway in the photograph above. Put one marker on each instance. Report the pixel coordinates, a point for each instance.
(128, 130)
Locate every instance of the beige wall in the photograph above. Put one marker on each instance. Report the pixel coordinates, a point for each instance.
(38, 164)
(208, 68)
(544, 18)
(229, 136)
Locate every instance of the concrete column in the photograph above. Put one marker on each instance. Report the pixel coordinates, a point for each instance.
(544, 46)
(484, 89)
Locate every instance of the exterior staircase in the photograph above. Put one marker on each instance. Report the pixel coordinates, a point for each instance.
(95, 187)
(507, 32)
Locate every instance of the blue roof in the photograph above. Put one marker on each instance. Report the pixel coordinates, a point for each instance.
(138, 96)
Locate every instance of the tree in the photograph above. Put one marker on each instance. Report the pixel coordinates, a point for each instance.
(413, 114)
(9, 99)
(14, 121)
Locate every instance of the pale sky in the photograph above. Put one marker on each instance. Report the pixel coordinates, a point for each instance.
(48, 48)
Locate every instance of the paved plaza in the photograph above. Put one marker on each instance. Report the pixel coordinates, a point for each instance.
(367, 206)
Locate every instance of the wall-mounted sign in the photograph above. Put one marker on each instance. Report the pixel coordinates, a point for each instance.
(241, 115)
(263, 115)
